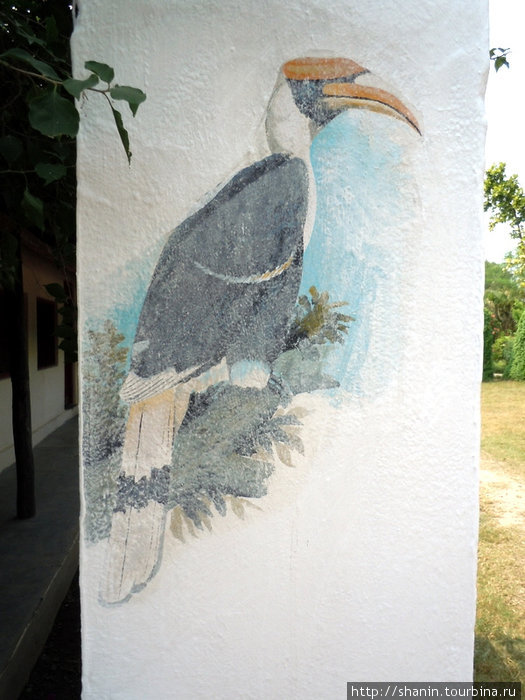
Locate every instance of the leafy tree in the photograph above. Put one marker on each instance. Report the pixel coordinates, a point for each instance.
(504, 305)
(38, 127)
(488, 339)
(517, 370)
(515, 263)
(502, 355)
(504, 298)
(505, 198)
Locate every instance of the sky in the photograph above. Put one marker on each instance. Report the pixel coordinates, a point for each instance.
(504, 107)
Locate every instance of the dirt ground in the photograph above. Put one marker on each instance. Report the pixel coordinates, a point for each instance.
(503, 492)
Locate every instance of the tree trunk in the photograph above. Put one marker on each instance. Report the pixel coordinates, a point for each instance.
(21, 401)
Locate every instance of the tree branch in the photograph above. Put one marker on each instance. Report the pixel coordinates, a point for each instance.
(30, 73)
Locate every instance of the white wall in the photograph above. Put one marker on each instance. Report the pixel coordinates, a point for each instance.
(360, 563)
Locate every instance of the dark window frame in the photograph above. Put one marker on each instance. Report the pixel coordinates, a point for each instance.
(4, 361)
(46, 338)
(4, 355)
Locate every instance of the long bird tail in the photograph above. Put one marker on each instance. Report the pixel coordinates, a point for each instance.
(137, 531)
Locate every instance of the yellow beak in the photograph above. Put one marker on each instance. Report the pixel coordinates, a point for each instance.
(343, 95)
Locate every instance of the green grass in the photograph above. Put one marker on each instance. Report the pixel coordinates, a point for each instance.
(500, 626)
(503, 425)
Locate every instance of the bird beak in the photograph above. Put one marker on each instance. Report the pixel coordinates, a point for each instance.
(346, 95)
(336, 84)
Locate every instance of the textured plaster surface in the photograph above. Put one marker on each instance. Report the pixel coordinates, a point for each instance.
(360, 563)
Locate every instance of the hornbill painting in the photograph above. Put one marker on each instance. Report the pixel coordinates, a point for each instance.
(222, 296)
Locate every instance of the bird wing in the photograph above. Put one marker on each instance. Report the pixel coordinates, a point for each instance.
(227, 280)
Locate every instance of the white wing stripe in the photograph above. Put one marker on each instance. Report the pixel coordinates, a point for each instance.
(251, 279)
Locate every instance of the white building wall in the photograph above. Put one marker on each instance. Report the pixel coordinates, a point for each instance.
(47, 385)
(360, 562)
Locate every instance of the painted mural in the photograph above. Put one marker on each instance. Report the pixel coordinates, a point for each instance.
(188, 415)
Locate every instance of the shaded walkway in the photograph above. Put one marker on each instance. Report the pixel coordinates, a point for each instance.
(38, 557)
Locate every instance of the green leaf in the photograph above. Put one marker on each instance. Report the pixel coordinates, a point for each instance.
(499, 62)
(57, 291)
(124, 137)
(75, 87)
(68, 314)
(65, 331)
(26, 57)
(63, 150)
(133, 96)
(53, 115)
(69, 346)
(49, 172)
(52, 34)
(33, 208)
(11, 148)
(26, 32)
(104, 72)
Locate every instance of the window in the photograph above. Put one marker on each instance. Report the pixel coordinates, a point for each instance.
(46, 324)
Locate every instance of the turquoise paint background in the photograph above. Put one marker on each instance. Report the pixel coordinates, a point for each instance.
(355, 250)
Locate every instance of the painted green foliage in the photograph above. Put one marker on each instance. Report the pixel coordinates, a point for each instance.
(317, 320)
(104, 372)
(226, 447)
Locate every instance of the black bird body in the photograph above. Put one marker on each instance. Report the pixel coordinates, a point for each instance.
(227, 280)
